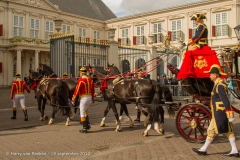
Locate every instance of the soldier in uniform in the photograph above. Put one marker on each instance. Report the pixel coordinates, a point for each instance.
(140, 75)
(85, 89)
(222, 114)
(201, 35)
(17, 94)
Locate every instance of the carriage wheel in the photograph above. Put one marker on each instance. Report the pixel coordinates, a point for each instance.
(192, 122)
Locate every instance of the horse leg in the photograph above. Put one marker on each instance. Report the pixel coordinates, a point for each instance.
(74, 113)
(124, 108)
(43, 109)
(102, 124)
(53, 115)
(39, 101)
(149, 125)
(68, 117)
(113, 106)
(161, 111)
(121, 112)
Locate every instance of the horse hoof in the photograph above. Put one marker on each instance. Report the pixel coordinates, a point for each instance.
(41, 119)
(131, 125)
(118, 130)
(67, 124)
(102, 125)
(145, 134)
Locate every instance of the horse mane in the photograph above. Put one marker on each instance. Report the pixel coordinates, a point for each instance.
(99, 71)
(48, 70)
(114, 70)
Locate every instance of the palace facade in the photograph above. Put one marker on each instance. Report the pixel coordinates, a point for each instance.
(25, 26)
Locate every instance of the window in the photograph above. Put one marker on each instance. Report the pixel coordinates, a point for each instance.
(17, 26)
(157, 32)
(140, 35)
(48, 29)
(176, 30)
(124, 40)
(221, 24)
(82, 61)
(66, 28)
(108, 35)
(82, 32)
(96, 35)
(96, 62)
(34, 28)
(194, 27)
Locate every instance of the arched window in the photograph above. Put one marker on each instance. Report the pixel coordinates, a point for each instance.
(125, 66)
(139, 63)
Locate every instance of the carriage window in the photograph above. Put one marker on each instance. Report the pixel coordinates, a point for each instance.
(222, 24)
(34, 28)
(17, 26)
(66, 28)
(96, 62)
(82, 32)
(140, 35)
(176, 30)
(48, 29)
(157, 32)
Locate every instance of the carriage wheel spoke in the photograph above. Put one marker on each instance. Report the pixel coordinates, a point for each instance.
(190, 132)
(185, 128)
(188, 118)
(199, 128)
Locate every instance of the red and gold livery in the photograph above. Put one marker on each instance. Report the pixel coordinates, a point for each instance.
(85, 87)
(18, 87)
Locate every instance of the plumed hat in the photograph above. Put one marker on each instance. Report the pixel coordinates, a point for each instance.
(198, 17)
(83, 69)
(140, 72)
(216, 69)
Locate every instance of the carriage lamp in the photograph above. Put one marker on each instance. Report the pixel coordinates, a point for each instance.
(228, 58)
(237, 32)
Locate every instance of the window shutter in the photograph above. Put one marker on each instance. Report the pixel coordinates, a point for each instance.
(170, 35)
(1, 30)
(213, 31)
(190, 33)
(119, 41)
(134, 40)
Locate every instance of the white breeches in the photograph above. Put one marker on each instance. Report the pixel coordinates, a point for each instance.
(19, 97)
(84, 104)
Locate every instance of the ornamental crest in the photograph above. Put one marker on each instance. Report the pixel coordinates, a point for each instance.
(200, 62)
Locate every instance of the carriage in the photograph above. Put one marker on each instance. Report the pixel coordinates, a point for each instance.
(193, 118)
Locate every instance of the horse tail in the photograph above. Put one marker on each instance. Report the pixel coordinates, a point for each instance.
(154, 108)
(168, 98)
(62, 94)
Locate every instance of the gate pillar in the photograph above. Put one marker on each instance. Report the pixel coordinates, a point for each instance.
(151, 55)
(113, 53)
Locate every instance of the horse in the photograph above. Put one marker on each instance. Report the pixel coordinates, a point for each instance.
(126, 91)
(123, 108)
(54, 90)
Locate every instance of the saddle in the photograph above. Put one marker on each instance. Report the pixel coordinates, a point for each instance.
(118, 80)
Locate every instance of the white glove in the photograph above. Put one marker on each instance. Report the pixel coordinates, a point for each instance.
(231, 119)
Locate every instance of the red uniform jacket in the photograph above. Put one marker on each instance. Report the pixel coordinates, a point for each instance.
(84, 87)
(18, 87)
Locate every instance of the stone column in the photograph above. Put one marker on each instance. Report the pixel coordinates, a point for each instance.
(113, 49)
(152, 54)
(19, 61)
(36, 62)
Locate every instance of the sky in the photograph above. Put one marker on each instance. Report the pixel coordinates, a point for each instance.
(128, 7)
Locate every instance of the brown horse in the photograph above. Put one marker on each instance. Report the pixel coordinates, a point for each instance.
(54, 90)
(125, 91)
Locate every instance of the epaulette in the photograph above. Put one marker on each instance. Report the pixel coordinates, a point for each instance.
(223, 84)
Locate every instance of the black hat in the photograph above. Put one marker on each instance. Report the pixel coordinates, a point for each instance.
(198, 17)
(216, 69)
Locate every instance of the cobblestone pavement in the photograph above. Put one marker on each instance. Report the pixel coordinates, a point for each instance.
(37, 140)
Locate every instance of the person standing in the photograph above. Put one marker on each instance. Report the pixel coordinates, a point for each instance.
(222, 114)
(85, 89)
(17, 94)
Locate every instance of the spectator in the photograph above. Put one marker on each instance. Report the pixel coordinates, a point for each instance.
(158, 79)
(174, 82)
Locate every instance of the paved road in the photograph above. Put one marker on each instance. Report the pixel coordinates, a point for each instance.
(37, 140)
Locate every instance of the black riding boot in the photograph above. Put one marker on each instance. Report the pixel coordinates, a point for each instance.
(84, 130)
(88, 123)
(138, 117)
(25, 115)
(14, 114)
